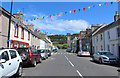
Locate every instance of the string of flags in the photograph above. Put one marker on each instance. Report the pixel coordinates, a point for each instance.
(60, 14)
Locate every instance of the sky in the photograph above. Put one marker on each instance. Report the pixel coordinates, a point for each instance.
(66, 23)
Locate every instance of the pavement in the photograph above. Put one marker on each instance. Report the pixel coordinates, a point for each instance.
(63, 63)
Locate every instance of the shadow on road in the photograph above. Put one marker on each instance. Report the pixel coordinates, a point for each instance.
(114, 65)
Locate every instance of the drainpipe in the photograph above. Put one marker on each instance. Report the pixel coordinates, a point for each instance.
(9, 24)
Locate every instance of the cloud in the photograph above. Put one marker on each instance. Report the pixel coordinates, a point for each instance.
(59, 25)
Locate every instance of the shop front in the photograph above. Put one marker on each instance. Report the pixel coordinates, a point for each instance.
(18, 44)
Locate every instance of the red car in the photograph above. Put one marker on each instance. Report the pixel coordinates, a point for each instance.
(29, 55)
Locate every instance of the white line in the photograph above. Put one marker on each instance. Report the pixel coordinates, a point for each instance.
(71, 63)
(79, 73)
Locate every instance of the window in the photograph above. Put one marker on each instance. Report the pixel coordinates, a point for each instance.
(22, 33)
(108, 35)
(118, 32)
(28, 35)
(5, 56)
(16, 44)
(16, 30)
(97, 38)
(24, 45)
(101, 47)
(101, 37)
(13, 54)
(108, 48)
(21, 44)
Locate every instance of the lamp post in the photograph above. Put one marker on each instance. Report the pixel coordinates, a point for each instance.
(9, 23)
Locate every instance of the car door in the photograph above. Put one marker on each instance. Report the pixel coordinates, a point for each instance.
(6, 66)
(14, 60)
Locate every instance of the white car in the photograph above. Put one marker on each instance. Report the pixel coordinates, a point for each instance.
(10, 63)
(83, 53)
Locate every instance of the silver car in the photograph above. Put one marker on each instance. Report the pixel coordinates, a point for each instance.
(104, 57)
(43, 53)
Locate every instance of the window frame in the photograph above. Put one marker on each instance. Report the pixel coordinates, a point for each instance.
(22, 33)
(16, 32)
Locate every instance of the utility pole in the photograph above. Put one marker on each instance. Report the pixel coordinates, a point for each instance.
(9, 23)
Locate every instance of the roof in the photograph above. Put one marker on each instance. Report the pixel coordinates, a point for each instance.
(111, 25)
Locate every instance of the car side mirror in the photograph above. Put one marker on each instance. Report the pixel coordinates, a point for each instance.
(2, 60)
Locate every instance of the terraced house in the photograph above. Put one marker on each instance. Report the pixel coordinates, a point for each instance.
(21, 35)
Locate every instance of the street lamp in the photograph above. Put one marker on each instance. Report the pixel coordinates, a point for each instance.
(9, 23)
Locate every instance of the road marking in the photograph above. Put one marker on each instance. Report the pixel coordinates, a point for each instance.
(79, 73)
(71, 63)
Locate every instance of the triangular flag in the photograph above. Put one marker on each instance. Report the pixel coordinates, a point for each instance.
(50, 16)
(70, 12)
(84, 9)
(34, 18)
(99, 4)
(53, 14)
(105, 3)
(111, 3)
(43, 17)
(24, 21)
(31, 19)
(61, 13)
(65, 12)
(40, 17)
(89, 7)
(118, 1)
(57, 14)
(78, 9)
(74, 11)
(37, 18)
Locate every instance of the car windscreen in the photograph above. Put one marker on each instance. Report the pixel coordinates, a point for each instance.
(41, 51)
(20, 50)
(105, 53)
(85, 50)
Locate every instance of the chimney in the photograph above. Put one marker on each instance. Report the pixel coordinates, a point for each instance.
(18, 16)
(116, 17)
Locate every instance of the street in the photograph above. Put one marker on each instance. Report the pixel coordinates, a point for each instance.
(68, 64)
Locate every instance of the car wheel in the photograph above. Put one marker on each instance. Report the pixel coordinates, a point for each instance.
(24, 56)
(19, 71)
(100, 61)
(34, 63)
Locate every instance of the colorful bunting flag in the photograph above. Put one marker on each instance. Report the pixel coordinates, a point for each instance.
(24, 21)
(105, 3)
(61, 13)
(37, 18)
(89, 7)
(84, 9)
(65, 12)
(118, 1)
(57, 14)
(74, 11)
(40, 17)
(78, 9)
(99, 4)
(34, 18)
(50, 16)
(111, 3)
(70, 12)
(53, 14)
(31, 19)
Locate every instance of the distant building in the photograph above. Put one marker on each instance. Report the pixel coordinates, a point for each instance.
(107, 37)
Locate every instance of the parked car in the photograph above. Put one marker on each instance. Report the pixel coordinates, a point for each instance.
(83, 53)
(104, 57)
(10, 63)
(49, 52)
(69, 50)
(54, 50)
(29, 55)
(43, 53)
